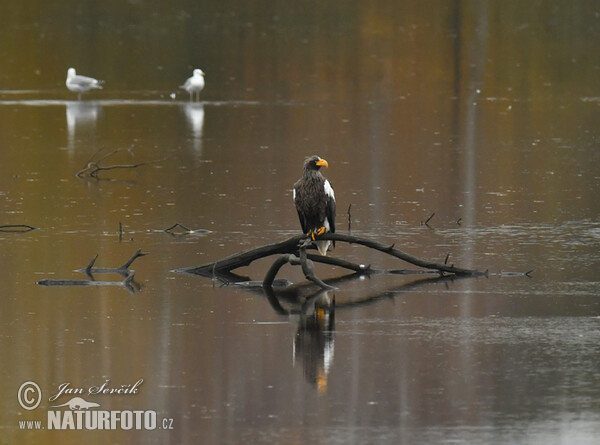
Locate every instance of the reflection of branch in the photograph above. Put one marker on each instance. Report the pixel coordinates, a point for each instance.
(393, 292)
(127, 283)
(92, 167)
(298, 295)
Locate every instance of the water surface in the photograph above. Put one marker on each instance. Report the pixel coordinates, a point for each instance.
(484, 114)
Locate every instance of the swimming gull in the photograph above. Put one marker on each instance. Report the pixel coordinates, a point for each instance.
(81, 84)
(194, 84)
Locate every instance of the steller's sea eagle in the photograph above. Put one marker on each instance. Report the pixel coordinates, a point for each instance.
(315, 202)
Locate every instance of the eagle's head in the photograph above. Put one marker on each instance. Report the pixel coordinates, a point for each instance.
(315, 163)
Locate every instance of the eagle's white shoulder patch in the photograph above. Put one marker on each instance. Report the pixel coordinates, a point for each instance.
(329, 189)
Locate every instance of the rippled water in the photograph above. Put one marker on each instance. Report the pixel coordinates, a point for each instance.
(484, 116)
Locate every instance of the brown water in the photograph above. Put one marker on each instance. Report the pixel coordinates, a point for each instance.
(485, 113)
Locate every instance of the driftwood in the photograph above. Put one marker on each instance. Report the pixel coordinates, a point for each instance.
(10, 228)
(123, 270)
(93, 167)
(183, 230)
(126, 283)
(426, 222)
(293, 251)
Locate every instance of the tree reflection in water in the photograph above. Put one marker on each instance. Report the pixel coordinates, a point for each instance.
(314, 308)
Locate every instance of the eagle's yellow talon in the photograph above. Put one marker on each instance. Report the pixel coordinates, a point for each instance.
(321, 231)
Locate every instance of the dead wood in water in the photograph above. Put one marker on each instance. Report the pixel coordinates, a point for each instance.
(184, 230)
(93, 167)
(90, 270)
(293, 251)
(17, 228)
(127, 283)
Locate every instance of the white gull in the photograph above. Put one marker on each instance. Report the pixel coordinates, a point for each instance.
(81, 84)
(194, 84)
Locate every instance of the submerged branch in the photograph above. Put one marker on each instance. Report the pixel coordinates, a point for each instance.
(17, 228)
(127, 283)
(93, 168)
(90, 270)
(123, 269)
(185, 230)
(293, 251)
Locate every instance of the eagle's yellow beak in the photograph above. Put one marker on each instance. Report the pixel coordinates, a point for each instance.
(322, 163)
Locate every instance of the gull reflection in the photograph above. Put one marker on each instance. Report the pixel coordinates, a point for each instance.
(81, 116)
(194, 112)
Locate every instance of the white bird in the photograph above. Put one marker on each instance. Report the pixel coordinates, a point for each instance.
(81, 84)
(194, 84)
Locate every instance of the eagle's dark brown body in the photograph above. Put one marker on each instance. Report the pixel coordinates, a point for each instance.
(315, 201)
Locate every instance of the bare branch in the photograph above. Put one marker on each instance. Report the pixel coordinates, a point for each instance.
(291, 253)
(308, 267)
(186, 230)
(426, 222)
(93, 168)
(127, 283)
(89, 270)
(349, 218)
(17, 228)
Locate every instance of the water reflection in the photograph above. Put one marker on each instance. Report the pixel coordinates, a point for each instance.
(194, 113)
(313, 346)
(81, 116)
(314, 343)
(486, 111)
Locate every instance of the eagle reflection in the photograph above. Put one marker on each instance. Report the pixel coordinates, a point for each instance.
(314, 341)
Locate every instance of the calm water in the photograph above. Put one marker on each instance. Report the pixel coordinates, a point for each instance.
(486, 114)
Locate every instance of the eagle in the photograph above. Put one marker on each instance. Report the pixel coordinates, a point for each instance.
(315, 202)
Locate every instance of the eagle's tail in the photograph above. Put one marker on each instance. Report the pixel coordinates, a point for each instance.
(322, 247)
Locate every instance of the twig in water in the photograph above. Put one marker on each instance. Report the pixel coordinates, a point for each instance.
(123, 269)
(93, 168)
(89, 270)
(17, 228)
(349, 218)
(187, 230)
(170, 229)
(426, 222)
